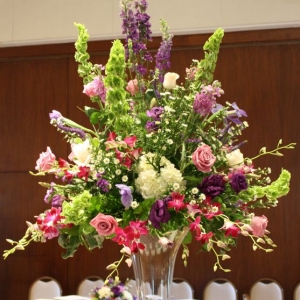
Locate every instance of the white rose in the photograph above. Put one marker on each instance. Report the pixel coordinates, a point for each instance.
(81, 153)
(235, 158)
(170, 80)
(127, 295)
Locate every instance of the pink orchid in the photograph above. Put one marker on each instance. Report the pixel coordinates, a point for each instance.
(50, 222)
(177, 201)
(195, 226)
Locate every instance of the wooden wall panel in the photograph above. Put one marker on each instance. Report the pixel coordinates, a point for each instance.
(258, 69)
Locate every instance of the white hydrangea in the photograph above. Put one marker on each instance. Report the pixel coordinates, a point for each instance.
(150, 184)
(104, 292)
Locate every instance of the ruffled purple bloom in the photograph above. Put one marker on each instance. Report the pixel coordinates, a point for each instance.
(126, 196)
(151, 126)
(155, 113)
(238, 182)
(212, 185)
(159, 213)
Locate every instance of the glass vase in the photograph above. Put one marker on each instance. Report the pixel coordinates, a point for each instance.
(154, 266)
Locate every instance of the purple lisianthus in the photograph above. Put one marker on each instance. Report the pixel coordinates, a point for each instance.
(238, 182)
(151, 126)
(159, 213)
(212, 185)
(126, 196)
(155, 113)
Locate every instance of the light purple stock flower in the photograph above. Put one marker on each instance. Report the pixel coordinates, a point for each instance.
(126, 196)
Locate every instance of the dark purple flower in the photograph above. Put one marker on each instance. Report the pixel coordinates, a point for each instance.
(151, 126)
(103, 185)
(212, 185)
(155, 113)
(159, 213)
(238, 182)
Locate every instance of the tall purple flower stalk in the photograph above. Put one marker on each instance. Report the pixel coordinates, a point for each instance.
(136, 27)
(163, 55)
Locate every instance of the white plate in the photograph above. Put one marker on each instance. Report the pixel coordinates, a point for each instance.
(72, 297)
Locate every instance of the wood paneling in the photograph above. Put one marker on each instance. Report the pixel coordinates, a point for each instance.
(258, 69)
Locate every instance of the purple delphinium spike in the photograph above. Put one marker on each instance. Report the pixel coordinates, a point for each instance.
(136, 27)
(103, 184)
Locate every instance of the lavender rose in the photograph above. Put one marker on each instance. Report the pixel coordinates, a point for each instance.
(238, 182)
(212, 185)
(159, 213)
(203, 158)
(104, 224)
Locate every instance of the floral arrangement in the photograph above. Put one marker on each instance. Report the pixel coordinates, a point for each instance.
(158, 156)
(112, 289)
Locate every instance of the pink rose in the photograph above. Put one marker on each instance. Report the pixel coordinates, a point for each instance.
(259, 225)
(203, 158)
(132, 87)
(90, 89)
(46, 161)
(104, 224)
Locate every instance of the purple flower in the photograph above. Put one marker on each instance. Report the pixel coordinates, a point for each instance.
(126, 196)
(213, 185)
(159, 213)
(55, 115)
(236, 114)
(163, 56)
(57, 200)
(155, 113)
(103, 184)
(238, 182)
(151, 126)
(203, 104)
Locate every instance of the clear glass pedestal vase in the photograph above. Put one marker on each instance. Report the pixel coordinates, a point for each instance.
(154, 266)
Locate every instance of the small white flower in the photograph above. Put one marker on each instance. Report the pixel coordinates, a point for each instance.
(164, 148)
(195, 191)
(176, 186)
(155, 141)
(124, 178)
(202, 197)
(134, 204)
(106, 160)
(116, 161)
(170, 141)
(118, 172)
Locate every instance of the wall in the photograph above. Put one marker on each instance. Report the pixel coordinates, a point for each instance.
(51, 21)
(258, 69)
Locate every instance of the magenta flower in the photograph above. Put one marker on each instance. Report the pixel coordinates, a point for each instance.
(177, 201)
(49, 223)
